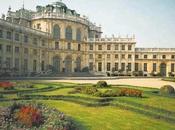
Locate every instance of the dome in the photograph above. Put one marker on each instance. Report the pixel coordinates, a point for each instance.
(59, 4)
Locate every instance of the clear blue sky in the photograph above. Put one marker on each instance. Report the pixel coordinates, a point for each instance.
(152, 21)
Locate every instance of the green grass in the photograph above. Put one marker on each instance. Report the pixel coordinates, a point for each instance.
(121, 113)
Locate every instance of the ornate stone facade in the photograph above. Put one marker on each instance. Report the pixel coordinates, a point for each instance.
(56, 39)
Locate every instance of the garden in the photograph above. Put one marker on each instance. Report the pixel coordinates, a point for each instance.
(31, 105)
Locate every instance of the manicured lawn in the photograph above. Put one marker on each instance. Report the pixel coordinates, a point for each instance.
(152, 112)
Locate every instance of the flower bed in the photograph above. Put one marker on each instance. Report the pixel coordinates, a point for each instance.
(7, 85)
(35, 116)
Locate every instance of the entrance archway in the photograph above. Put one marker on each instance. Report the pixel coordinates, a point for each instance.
(163, 69)
(68, 64)
(56, 64)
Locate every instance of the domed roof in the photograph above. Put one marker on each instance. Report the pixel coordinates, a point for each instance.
(59, 4)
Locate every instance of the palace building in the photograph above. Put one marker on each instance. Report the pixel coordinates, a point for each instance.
(55, 39)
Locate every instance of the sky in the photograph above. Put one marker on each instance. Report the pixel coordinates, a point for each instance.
(151, 21)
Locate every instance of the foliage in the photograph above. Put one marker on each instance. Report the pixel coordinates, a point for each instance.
(167, 89)
(7, 85)
(29, 116)
(130, 92)
(102, 84)
(24, 84)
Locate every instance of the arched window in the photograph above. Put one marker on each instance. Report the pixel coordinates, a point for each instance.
(56, 32)
(68, 33)
(78, 36)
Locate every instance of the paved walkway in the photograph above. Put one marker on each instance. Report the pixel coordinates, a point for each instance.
(145, 82)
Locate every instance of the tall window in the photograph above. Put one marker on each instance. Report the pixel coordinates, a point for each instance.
(16, 49)
(154, 56)
(26, 39)
(91, 66)
(172, 67)
(0, 47)
(34, 65)
(108, 66)
(91, 47)
(129, 56)
(116, 56)
(42, 66)
(129, 66)
(69, 46)
(8, 48)
(78, 36)
(26, 51)
(9, 35)
(35, 41)
(136, 66)
(129, 47)
(145, 56)
(136, 56)
(17, 63)
(108, 47)
(123, 66)
(116, 47)
(108, 56)
(116, 66)
(163, 56)
(154, 67)
(90, 56)
(1, 33)
(79, 47)
(16, 36)
(99, 66)
(68, 33)
(57, 45)
(99, 47)
(56, 32)
(25, 65)
(123, 47)
(8, 62)
(145, 67)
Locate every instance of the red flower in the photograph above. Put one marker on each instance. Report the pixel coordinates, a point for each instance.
(6, 85)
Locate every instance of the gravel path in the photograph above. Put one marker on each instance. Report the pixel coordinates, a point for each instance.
(150, 82)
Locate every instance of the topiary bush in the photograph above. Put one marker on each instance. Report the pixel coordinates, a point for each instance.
(167, 89)
(102, 84)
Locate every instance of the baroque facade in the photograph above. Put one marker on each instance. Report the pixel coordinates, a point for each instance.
(56, 39)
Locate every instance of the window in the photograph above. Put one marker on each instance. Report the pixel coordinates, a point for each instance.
(108, 47)
(99, 47)
(172, 56)
(108, 56)
(43, 42)
(68, 33)
(99, 66)
(136, 56)
(56, 32)
(116, 67)
(26, 51)
(116, 56)
(116, 47)
(34, 52)
(39, 26)
(42, 66)
(154, 56)
(136, 66)
(1, 33)
(56, 45)
(69, 46)
(154, 67)
(145, 67)
(9, 35)
(16, 36)
(25, 65)
(79, 47)
(90, 56)
(35, 41)
(123, 67)
(34, 65)
(25, 39)
(16, 49)
(16, 63)
(0, 61)
(129, 56)
(129, 47)
(172, 67)
(0, 47)
(90, 47)
(108, 66)
(129, 66)
(145, 56)
(8, 48)
(8, 62)
(99, 56)
(78, 36)
(123, 56)
(123, 47)
(163, 56)
(91, 66)
(43, 53)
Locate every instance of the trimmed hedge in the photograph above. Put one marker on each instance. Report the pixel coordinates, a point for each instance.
(102, 84)
(167, 89)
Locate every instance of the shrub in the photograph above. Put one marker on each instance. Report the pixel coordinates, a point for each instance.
(167, 89)
(1, 96)
(102, 84)
(130, 92)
